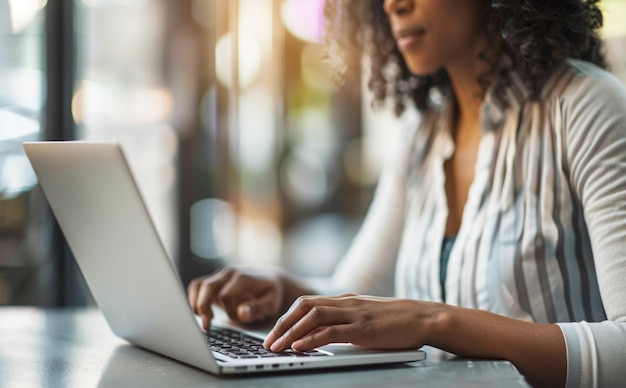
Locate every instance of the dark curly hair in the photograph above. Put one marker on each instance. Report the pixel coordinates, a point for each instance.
(539, 36)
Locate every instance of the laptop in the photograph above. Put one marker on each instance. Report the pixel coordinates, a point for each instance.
(98, 205)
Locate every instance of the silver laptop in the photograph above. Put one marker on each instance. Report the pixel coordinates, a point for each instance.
(97, 203)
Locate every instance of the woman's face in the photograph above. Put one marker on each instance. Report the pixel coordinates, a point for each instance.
(435, 34)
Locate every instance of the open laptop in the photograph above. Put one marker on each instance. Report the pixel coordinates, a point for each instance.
(100, 210)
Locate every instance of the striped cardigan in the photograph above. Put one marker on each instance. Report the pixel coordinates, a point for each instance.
(543, 234)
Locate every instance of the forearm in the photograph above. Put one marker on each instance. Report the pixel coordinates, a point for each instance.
(537, 350)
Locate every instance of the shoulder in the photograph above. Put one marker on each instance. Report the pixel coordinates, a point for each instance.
(581, 85)
(588, 102)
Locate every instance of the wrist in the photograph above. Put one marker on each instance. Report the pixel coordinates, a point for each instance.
(438, 324)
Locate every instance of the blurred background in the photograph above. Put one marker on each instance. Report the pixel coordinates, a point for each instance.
(244, 149)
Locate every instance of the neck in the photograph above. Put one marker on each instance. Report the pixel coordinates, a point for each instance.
(468, 92)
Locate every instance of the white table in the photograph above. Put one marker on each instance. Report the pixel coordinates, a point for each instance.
(76, 348)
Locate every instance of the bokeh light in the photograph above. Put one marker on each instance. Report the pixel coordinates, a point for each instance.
(304, 19)
(212, 228)
(317, 73)
(249, 59)
(613, 12)
(94, 102)
(306, 177)
(113, 3)
(23, 13)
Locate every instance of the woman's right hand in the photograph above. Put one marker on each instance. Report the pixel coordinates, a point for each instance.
(248, 296)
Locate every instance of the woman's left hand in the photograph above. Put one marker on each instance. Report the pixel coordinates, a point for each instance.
(372, 322)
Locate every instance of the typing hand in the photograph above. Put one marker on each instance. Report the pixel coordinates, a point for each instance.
(379, 323)
(247, 296)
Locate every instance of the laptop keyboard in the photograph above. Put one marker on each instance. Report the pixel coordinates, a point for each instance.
(235, 344)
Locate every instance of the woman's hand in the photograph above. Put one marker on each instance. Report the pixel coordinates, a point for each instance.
(247, 295)
(372, 322)
(537, 349)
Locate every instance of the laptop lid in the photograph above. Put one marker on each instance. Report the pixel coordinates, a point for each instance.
(100, 210)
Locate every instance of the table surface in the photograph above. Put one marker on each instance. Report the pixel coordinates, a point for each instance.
(76, 348)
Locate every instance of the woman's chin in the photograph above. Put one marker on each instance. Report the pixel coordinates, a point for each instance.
(421, 69)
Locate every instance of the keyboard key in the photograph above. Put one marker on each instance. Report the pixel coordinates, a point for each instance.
(235, 344)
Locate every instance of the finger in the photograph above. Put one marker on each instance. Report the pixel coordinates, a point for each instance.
(193, 289)
(209, 287)
(295, 313)
(298, 309)
(192, 292)
(318, 316)
(259, 309)
(206, 321)
(324, 336)
(235, 292)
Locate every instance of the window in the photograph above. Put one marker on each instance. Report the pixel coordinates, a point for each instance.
(21, 102)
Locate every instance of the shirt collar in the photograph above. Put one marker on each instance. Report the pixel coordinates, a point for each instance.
(494, 108)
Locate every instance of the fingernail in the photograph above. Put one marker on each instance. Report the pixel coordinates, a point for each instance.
(244, 312)
(268, 340)
(297, 345)
(277, 346)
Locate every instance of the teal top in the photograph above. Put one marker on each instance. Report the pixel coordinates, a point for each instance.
(446, 248)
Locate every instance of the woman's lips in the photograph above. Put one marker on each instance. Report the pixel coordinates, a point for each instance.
(407, 39)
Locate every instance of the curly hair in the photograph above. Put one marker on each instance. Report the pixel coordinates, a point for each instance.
(539, 36)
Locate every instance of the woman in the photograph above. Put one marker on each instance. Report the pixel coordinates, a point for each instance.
(501, 221)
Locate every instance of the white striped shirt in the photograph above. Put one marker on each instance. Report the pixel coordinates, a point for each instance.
(543, 232)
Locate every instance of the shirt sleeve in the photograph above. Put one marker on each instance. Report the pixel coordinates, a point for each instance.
(594, 123)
